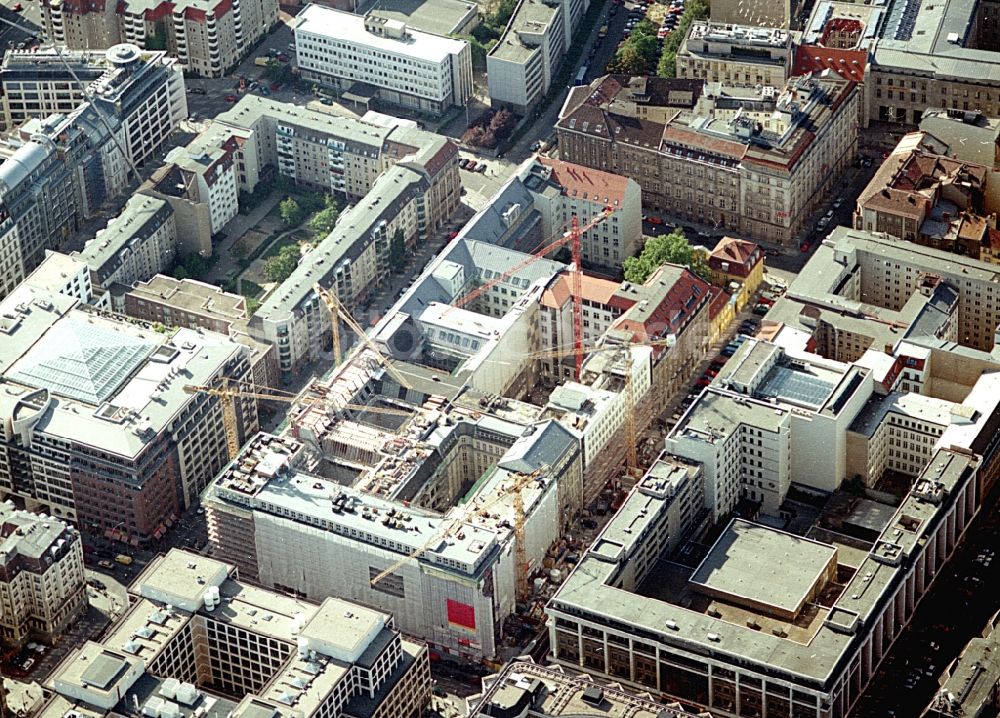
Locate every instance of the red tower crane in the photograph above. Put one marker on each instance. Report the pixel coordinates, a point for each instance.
(573, 237)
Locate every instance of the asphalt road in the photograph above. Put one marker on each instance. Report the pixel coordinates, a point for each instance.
(28, 23)
(960, 603)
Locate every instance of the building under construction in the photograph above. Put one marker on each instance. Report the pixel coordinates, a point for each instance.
(431, 464)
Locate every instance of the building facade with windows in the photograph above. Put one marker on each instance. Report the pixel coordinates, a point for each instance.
(195, 641)
(521, 67)
(754, 160)
(405, 66)
(42, 584)
(736, 54)
(103, 432)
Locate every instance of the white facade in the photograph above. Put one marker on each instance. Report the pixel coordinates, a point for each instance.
(411, 68)
(520, 67)
(742, 444)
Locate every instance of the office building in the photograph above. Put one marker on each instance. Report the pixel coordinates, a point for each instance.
(396, 537)
(196, 305)
(754, 160)
(736, 54)
(196, 641)
(140, 93)
(105, 434)
(376, 57)
(140, 242)
(563, 191)
(524, 688)
(62, 274)
(522, 65)
(765, 620)
(42, 585)
(940, 55)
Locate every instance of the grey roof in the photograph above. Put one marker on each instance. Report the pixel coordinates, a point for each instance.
(23, 533)
(544, 446)
(138, 220)
(347, 241)
(761, 564)
(443, 17)
(18, 167)
(82, 361)
(530, 18)
(104, 670)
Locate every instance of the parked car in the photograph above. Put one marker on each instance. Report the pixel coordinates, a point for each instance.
(197, 91)
(761, 309)
(230, 98)
(104, 563)
(18, 7)
(655, 220)
(481, 167)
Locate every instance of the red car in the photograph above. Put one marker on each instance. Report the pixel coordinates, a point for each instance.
(452, 235)
(804, 247)
(655, 220)
(274, 86)
(230, 98)
(18, 7)
(282, 57)
(704, 381)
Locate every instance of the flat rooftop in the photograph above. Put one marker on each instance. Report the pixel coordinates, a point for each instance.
(531, 18)
(349, 27)
(755, 564)
(441, 17)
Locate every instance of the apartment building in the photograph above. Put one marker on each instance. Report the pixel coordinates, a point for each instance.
(352, 261)
(920, 196)
(563, 192)
(141, 93)
(376, 57)
(736, 264)
(521, 67)
(197, 641)
(106, 436)
(754, 160)
(731, 635)
(736, 54)
(196, 305)
(81, 24)
(140, 242)
(42, 585)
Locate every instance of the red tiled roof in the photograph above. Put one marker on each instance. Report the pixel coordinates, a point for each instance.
(742, 255)
(583, 182)
(596, 289)
(719, 301)
(668, 299)
(849, 64)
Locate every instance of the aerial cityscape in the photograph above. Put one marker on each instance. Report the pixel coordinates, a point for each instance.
(499, 359)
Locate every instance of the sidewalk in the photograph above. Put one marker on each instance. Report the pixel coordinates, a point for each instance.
(236, 228)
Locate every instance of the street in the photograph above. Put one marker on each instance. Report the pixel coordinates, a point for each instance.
(955, 610)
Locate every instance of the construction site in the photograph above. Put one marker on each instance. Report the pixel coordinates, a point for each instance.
(433, 462)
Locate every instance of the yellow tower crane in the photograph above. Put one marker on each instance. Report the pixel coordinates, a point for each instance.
(631, 435)
(521, 481)
(337, 313)
(228, 395)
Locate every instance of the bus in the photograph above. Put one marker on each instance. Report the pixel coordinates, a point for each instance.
(580, 74)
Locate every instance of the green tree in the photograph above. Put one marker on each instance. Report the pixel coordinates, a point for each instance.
(291, 213)
(277, 71)
(280, 267)
(253, 304)
(397, 252)
(670, 248)
(324, 220)
(180, 272)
